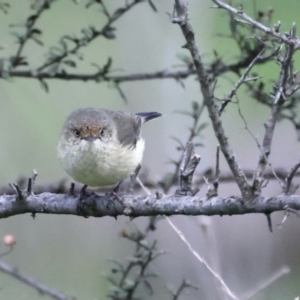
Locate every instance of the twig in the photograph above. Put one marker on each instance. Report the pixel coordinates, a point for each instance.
(177, 75)
(206, 225)
(212, 192)
(287, 212)
(10, 249)
(189, 163)
(258, 146)
(125, 287)
(289, 178)
(29, 27)
(31, 182)
(195, 130)
(264, 283)
(201, 260)
(41, 288)
(270, 31)
(184, 284)
(105, 31)
(217, 172)
(242, 80)
(20, 196)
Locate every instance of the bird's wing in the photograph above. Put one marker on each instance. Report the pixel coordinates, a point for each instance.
(128, 127)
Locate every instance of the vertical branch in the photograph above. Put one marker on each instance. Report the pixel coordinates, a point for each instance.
(279, 97)
(190, 160)
(180, 16)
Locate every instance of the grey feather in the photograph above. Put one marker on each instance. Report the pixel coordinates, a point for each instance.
(129, 125)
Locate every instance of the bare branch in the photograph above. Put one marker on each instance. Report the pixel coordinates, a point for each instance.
(41, 288)
(203, 261)
(294, 42)
(265, 283)
(278, 101)
(259, 147)
(242, 80)
(289, 178)
(189, 163)
(184, 284)
(98, 77)
(180, 17)
(106, 31)
(29, 31)
(213, 191)
(138, 205)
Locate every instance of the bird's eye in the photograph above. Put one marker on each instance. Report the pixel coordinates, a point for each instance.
(76, 132)
(102, 132)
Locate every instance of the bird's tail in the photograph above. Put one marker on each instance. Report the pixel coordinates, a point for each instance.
(147, 116)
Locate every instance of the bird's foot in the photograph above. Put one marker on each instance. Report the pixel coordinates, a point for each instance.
(82, 205)
(114, 197)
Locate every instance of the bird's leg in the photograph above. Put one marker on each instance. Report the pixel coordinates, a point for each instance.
(113, 196)
(79, 208)
(133, 179)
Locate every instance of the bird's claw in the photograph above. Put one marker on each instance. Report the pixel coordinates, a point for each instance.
(81, 205)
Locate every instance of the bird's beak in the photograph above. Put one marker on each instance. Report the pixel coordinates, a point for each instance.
(90, 138)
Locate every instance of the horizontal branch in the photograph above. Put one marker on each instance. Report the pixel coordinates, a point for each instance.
(137, 205)
(62, 186)
(41, 288)
(98, 77)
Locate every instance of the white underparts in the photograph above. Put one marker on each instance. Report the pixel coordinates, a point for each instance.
(96, 163)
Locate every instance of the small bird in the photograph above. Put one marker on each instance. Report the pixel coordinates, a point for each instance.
(100, 147)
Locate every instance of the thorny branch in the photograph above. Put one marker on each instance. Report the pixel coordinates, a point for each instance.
(242, 80)
(289, 178)
(253, 56)
(107, 31)
(280, 95)
(294, 42)
(180, 16)
(137, 271)
(137, 205)
(30, 33)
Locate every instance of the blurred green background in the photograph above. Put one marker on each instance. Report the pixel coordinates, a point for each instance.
(71, 253)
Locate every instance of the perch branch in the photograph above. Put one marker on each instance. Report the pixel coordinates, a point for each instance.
(140, 205)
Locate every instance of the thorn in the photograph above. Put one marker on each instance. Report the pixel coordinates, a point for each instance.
(72, 189)
(268, 215)
(158, 195)
(18, 191)
(29, 186)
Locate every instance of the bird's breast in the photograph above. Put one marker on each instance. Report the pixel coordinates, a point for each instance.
(100, 163)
